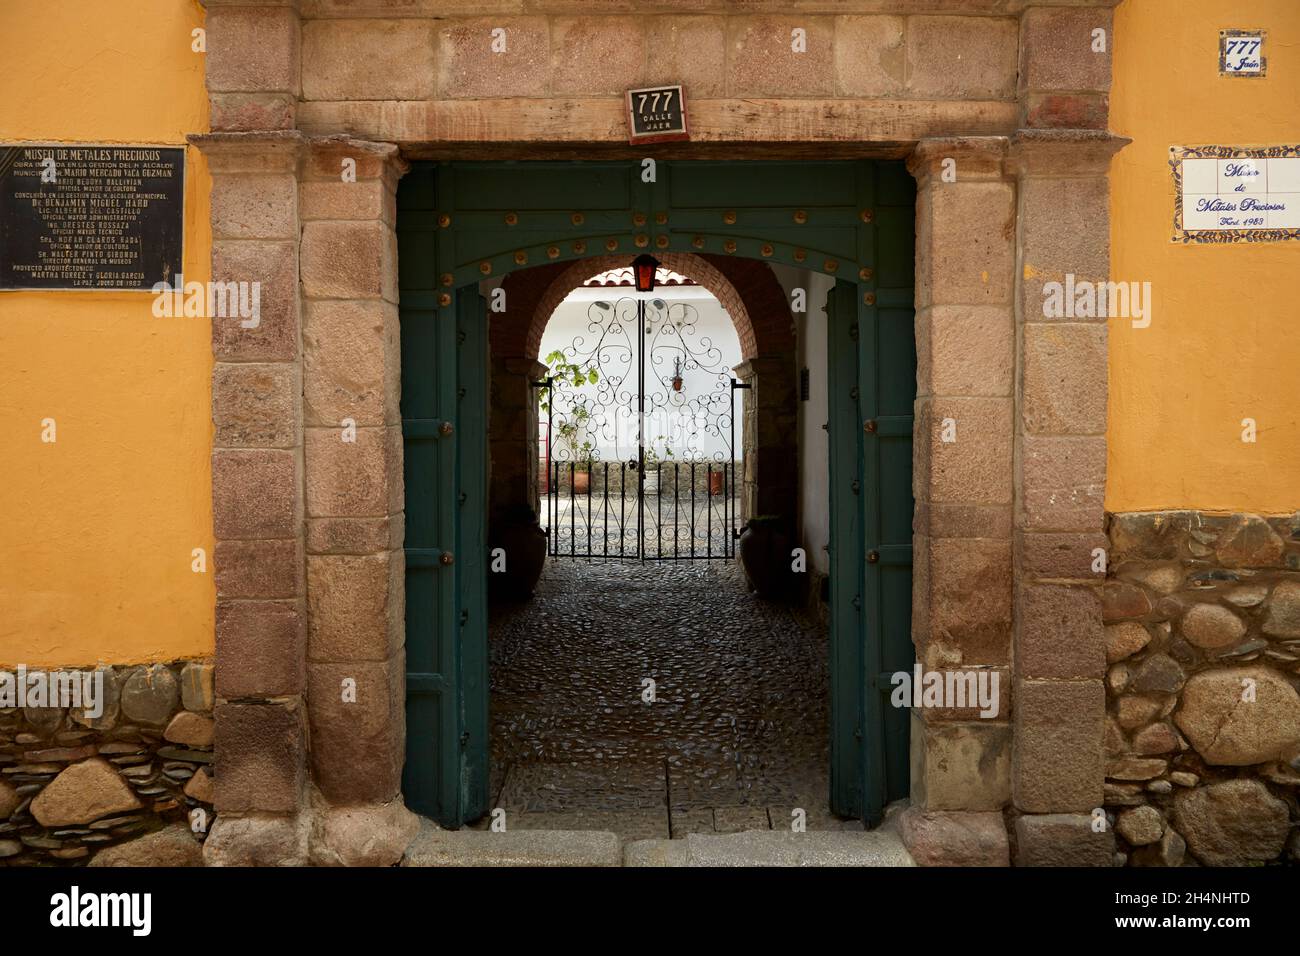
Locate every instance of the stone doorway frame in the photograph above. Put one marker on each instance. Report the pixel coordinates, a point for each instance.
(309, 529)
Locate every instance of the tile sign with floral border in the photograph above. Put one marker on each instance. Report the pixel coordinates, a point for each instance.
(1236, 194)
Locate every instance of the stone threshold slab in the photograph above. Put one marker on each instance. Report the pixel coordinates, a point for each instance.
(435, 847)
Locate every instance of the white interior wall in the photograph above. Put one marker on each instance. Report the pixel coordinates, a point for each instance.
(714, 335)
(814, 449)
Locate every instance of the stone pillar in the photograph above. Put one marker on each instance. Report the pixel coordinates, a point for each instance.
(513, 435)
(1064, 76)
(962, 479)
(257, 502)
(768, 442)
(354, 499)
(253, 56)
(1061, 480)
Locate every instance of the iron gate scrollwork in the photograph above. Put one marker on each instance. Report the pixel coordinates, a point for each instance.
(639, 417)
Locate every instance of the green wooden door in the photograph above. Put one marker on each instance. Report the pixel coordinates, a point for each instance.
(871, 393)
(444, 424)
(462, 222)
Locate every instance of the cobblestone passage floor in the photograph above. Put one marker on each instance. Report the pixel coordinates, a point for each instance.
(737, 735)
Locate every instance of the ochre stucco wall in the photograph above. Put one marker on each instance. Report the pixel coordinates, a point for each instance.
(97, 529)
(1222, 345)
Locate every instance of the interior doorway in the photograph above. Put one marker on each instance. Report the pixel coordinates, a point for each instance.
(459, 223)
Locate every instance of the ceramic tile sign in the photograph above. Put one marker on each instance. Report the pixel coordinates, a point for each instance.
(92, 217)
(1241, 53)
(1236, 194)
(656, 114)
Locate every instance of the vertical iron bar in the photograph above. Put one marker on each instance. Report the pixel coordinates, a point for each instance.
(731, 453)
(708, 511)
(640, 428)
(659, 509)
(677, 484)
(692, 503)
(573, 516)
(605, 534)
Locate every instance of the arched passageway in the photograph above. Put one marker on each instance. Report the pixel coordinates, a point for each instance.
(757, 304)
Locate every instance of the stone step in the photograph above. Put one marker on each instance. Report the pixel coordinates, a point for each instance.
(772, 848)
(434, 847)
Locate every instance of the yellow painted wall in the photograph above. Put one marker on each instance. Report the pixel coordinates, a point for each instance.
(96, 530)
(1224, 343)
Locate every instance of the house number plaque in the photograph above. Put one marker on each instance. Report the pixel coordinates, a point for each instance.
(657, 114)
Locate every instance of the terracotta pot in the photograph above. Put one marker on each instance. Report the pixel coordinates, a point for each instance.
(581, 482)
(717, 480)
(525, 553)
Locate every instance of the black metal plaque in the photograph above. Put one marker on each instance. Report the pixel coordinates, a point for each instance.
(90, 217)
(657, 114)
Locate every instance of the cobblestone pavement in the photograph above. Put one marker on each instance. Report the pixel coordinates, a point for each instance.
(737, 735)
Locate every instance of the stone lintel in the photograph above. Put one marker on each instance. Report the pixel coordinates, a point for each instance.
(532, 123)
(294, 5)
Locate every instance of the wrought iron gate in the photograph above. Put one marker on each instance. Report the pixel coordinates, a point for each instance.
(639, 417)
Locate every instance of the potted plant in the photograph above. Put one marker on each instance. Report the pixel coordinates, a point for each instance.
(582, 469)
(765, 553)
(652, 461)
(569, 429)
(523, 543)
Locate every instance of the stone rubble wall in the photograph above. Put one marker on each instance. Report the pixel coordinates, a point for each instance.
(117, 789)
(1202, 616)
